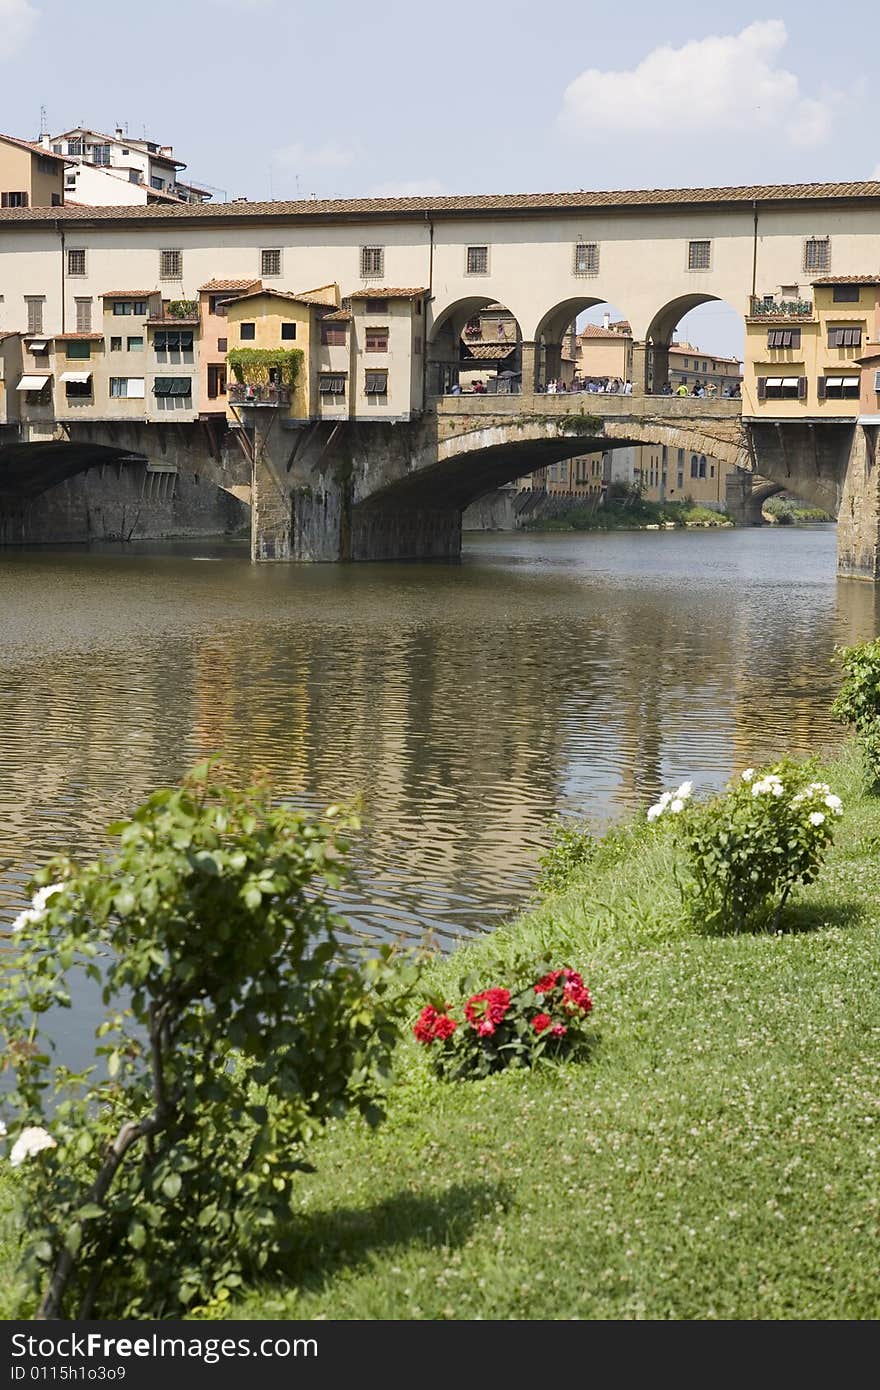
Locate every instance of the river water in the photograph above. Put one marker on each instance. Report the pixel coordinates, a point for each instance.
(465, 704)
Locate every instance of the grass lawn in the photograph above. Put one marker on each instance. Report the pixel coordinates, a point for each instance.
(717, 1156)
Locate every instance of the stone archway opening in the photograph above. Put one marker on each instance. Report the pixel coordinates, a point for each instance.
(584, 342)
(694, 345)
(475, 347)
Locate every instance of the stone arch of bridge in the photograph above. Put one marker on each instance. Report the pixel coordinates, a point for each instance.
(445, 338)
(27, 470)
(550, 333)
(651, 365)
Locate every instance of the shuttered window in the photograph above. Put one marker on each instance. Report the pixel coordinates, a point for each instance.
(34, 314)
(83, 316)
(172, 386)
(173, 341)
(376, 383)
(844, 337)
(784, 338)
(332, 384)
(376, 340)
(333, 335)
(846, 294)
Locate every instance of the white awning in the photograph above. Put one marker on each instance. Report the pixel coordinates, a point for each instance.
(38, 345)
(774, 381)
(32, 383)
(833, 381)
(850, 381)
(790, 381)
(81, 378)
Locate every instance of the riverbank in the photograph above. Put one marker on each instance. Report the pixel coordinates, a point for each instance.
(633, 514)
(715, 1158)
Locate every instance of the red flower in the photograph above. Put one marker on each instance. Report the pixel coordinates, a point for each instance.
(431, 1024)
(548, 982)
(576, 995)
(558, 1030)
(489, 1007)
(540, 1022)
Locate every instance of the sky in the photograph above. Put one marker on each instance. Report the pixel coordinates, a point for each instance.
(338, 98)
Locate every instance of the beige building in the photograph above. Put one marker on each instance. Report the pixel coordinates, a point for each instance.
(690, 366)
(605, 352)
(29, 175)
(115, 170)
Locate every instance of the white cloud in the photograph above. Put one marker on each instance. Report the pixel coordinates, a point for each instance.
(408, 188)
(328, 156)
(726, 83)
(17, 19)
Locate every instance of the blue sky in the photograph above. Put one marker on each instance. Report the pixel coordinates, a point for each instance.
(283, 98)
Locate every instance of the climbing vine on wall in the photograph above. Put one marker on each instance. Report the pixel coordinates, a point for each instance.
(251, 365)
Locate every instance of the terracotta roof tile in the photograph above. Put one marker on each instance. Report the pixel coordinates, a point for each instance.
(127, 294)
(260, 290)
(230, 284)
(490, 351)
(847, 280)
(34, 149)
(68, 337)
(380, 292)
(337, 316)
(594, 330)
(514, 203)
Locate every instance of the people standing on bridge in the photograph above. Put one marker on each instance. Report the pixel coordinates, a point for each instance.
(682, 390)
(627, 388)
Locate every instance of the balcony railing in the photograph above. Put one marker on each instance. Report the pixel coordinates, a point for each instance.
(781, 309)
(239, 394)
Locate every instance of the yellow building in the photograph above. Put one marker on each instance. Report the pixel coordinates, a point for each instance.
(803, 358)
(275, 323)
(30, 177)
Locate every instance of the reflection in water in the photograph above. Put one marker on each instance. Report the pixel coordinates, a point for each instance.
(465, 704)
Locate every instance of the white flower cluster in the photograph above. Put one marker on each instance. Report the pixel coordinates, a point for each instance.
(37, 910)
(821, 792)
(771, 785)
(32, 1140)
(673, 802)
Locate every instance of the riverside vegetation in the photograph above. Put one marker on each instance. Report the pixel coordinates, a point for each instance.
(715, 1154)
(626, 509)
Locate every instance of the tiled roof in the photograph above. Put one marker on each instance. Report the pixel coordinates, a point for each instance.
(337, 316)
(380, 292)
(13, 334)
(514, 203)
(594, 330)
(127, 294)
(847, 280)
(172, 320)
(259, 290)
(34, 149)
(489, 351)
(230, 284)
(67, 337)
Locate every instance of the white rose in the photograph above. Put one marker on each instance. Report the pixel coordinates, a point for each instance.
(817, 818)
(31, 1141)
(834, 804)
(748, 775)
(676, 806)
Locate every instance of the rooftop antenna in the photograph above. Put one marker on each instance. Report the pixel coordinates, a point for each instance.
(43, 129)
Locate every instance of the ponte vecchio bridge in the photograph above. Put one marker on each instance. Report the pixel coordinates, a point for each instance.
(386, 474)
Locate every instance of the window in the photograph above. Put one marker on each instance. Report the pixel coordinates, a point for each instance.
(13, 200)
(333, 335)
(418, 308)
(783, 338)
(173, 341)
(288, 332)
(34, 313)
(57, 200)
(131, 308)
(817, 253)
(372, 262)
(76, 261)
(704, 366)
(332, 384)
(157, 182)
(217, 304)
(115, 344)
(170, 265)
(417, 347)
(376, 340)
(478, 260)
(681, 477)
(222, 344)
(376, 306)
(172, 386)
(134, 344)
(699, 255)
(247, 332)
(216, 380)
(844, 337)
(83, 315)
(101, 154)
(695, 466)
(77, 147)
(78, 350)
(78, 390)
(840, 388)
(586, 258)
(685, 362)
(134, 176)
(846, 294)
(702, 465)
(270, 262)
(376, 383)
(788, 388)
(127, 387)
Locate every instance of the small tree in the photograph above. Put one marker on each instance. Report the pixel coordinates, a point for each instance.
(858, 701)
(235, 1025)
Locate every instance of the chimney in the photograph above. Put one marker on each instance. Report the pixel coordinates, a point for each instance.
(606, 319)
(119, 132)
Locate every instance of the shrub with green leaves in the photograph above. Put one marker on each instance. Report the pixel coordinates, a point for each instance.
(747, 849)
(235, 1025)
(571, 848)
(858, 701)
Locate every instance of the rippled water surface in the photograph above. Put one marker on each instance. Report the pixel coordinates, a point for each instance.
(466, 704)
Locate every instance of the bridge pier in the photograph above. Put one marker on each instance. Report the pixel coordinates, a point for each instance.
(858, 519)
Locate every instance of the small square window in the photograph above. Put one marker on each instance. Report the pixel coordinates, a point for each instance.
(78, 350)
(134, 344)
(478, 260)
(270, 262)
(331, 384)
(76, 261)
(170, 265)
(846, 294)
(586, 258)
(376, 306)
(376, 383)
(699, 255)
(333, 335)
(372, 262)
(288, 331)
(222, 344)
(376, 340)
(115, 344)
(247, 332)
(817, 253)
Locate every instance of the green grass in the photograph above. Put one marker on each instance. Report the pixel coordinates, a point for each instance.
(716, 1157)
(634, 514)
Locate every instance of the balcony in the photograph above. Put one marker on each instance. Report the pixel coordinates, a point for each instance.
(239, 394)
(766, 308)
